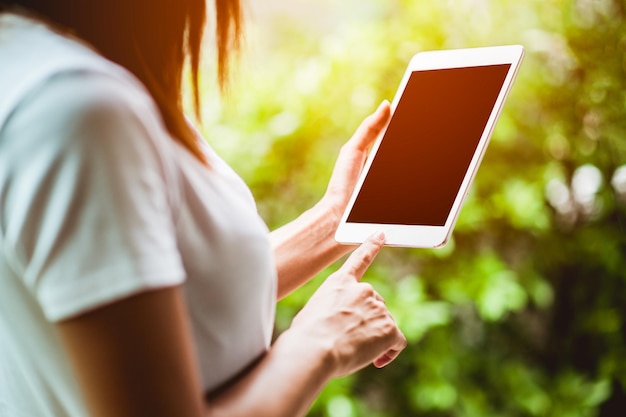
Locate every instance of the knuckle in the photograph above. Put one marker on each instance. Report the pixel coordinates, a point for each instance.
(401, 341)
(346, 271)
(367, 289)
(377, 308)
(389, 327)
(367, 258)
(369, 121)
(371, 129)
(345, 148)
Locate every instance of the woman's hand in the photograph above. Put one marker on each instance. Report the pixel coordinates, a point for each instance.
(347, 320)
(351, 159)
(305, 246)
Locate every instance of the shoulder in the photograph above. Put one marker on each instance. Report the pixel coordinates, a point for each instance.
(58, 80)
(83, 98)
(87, 117)
(63, 108)
(86, 175)
(82, 129)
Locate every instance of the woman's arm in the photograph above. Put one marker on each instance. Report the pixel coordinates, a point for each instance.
(135, 357)
(305, 246)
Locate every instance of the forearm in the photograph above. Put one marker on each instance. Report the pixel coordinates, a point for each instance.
(285, 382)
(305, 246)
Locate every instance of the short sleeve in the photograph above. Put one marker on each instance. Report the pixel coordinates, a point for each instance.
(88, 198)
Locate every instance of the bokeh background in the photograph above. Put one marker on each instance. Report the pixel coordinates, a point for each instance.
(523, 313)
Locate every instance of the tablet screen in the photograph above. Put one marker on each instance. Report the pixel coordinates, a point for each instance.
(428, 146)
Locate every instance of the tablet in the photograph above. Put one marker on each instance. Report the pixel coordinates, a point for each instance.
(420, 168)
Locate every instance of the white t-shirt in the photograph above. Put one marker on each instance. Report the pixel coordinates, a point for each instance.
(97, 202)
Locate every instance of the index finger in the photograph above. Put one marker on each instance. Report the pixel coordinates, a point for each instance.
(363, 256)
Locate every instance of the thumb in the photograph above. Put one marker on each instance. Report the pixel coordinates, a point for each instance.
(371, 126)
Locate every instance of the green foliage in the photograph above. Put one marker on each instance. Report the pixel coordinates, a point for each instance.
(524, 312)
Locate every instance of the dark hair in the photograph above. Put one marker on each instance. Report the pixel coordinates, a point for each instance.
(153, 39)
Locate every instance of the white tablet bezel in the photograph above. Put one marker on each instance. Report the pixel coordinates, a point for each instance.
(435, 236)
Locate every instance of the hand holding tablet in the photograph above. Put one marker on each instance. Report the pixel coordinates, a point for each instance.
(421, 167)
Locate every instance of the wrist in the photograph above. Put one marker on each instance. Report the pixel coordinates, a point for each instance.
(327, 215)
(329, 212)
(313, 354)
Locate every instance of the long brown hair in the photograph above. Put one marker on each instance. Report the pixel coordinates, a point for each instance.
(153, 39)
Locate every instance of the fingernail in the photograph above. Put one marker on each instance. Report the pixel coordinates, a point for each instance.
(382, 361)
(379, 236)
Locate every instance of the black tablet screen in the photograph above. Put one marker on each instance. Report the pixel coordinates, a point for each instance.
(429, 144)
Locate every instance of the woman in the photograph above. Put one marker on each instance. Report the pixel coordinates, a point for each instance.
(136, 278)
